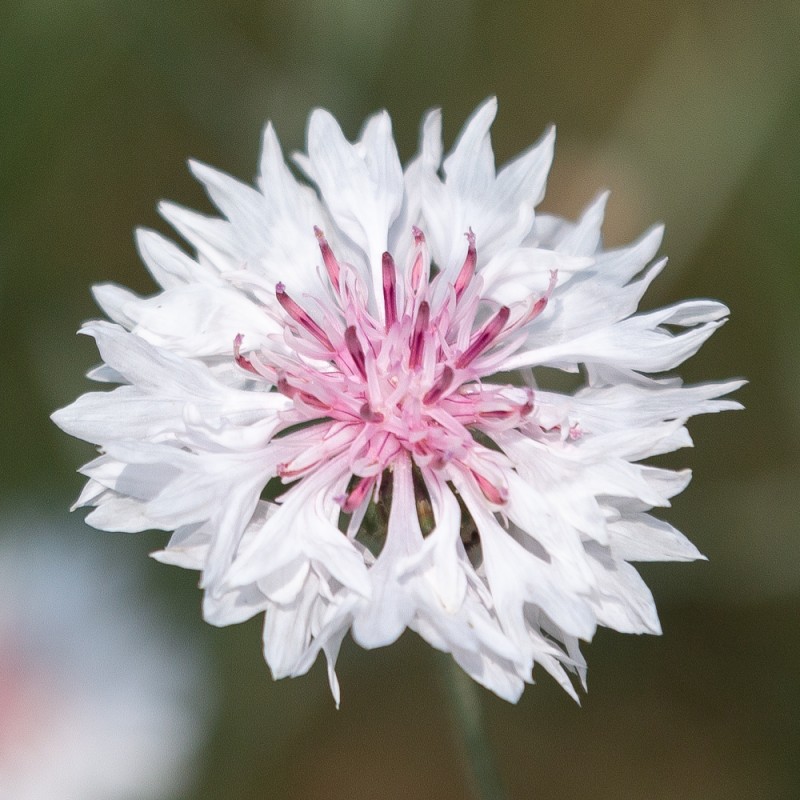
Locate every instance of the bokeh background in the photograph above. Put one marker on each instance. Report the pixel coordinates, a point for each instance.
(688, 111)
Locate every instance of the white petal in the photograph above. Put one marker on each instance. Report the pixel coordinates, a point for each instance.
(579, 239)
(516, 577)
(168, 264)
(303, 526)
(390, 608)
(638, 343)
(523, 179)
(288, 630)
(229, 608)
(418, 174)
(214, 239)
(469, 168)
(361, 185)
(441, 550)
(641, 537)
(622, 601)
(199, 321)
(244, 207)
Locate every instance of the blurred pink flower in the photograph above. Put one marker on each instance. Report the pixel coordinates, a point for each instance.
(374, 346)
(98, 700)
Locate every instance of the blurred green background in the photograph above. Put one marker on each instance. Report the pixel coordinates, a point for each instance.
(689, 112)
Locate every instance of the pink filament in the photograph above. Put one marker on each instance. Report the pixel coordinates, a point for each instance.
(494, 494)
(468, 269)
(389, 290)
(354, 499)
(418, 336)
(242, 361)
(440, 387)
(355, 349)
(328, 258)
(301, 317)
(484, 337)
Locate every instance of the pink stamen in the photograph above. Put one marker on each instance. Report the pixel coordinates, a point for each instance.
(242, 361)
(286, 471)
(301, 317)
(527, 407)
(368, 415)
(468, 269)
(355, 349)
(312, 401)
(353, 500)
(328, 258)
(389, 290)
(418, 395)
(441, 460)
(418, 336)
(286, 388)
(440, 387)
(485, 336)
(494, 494)
(416, 269)
(541, 304)
(505, 413)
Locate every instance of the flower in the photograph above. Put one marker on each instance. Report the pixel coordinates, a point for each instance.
(98, 700)
(339, 406)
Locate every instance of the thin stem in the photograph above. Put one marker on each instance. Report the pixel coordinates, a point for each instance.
(468, 719)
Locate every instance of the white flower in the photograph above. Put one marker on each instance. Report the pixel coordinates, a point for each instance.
(98, 701)
(373, 345)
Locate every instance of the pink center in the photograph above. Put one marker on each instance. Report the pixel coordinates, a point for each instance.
(407, 382)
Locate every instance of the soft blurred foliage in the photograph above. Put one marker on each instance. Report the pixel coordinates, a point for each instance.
(687, 111)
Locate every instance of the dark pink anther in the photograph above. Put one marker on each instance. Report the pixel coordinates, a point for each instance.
(301, 317)
(527, 407)
(416, 269)
(241, 360)
(484, 337)
(505, 413)
(285, 470)
(468, 268)
(368, 415)
(538, 307)
(359, 492)
(389, 290)
(355, 349)
(541, 303)
(418, 336)
(439, 387)
(312, 401)
(328, 258)
(285, 388)
(494, 494)
(441, 460)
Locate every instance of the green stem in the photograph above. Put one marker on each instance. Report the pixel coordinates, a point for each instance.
(468, 719)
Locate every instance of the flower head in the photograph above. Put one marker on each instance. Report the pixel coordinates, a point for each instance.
(402, 388)
(338, 406)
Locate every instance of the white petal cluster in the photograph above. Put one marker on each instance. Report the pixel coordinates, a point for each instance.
(505, 555)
